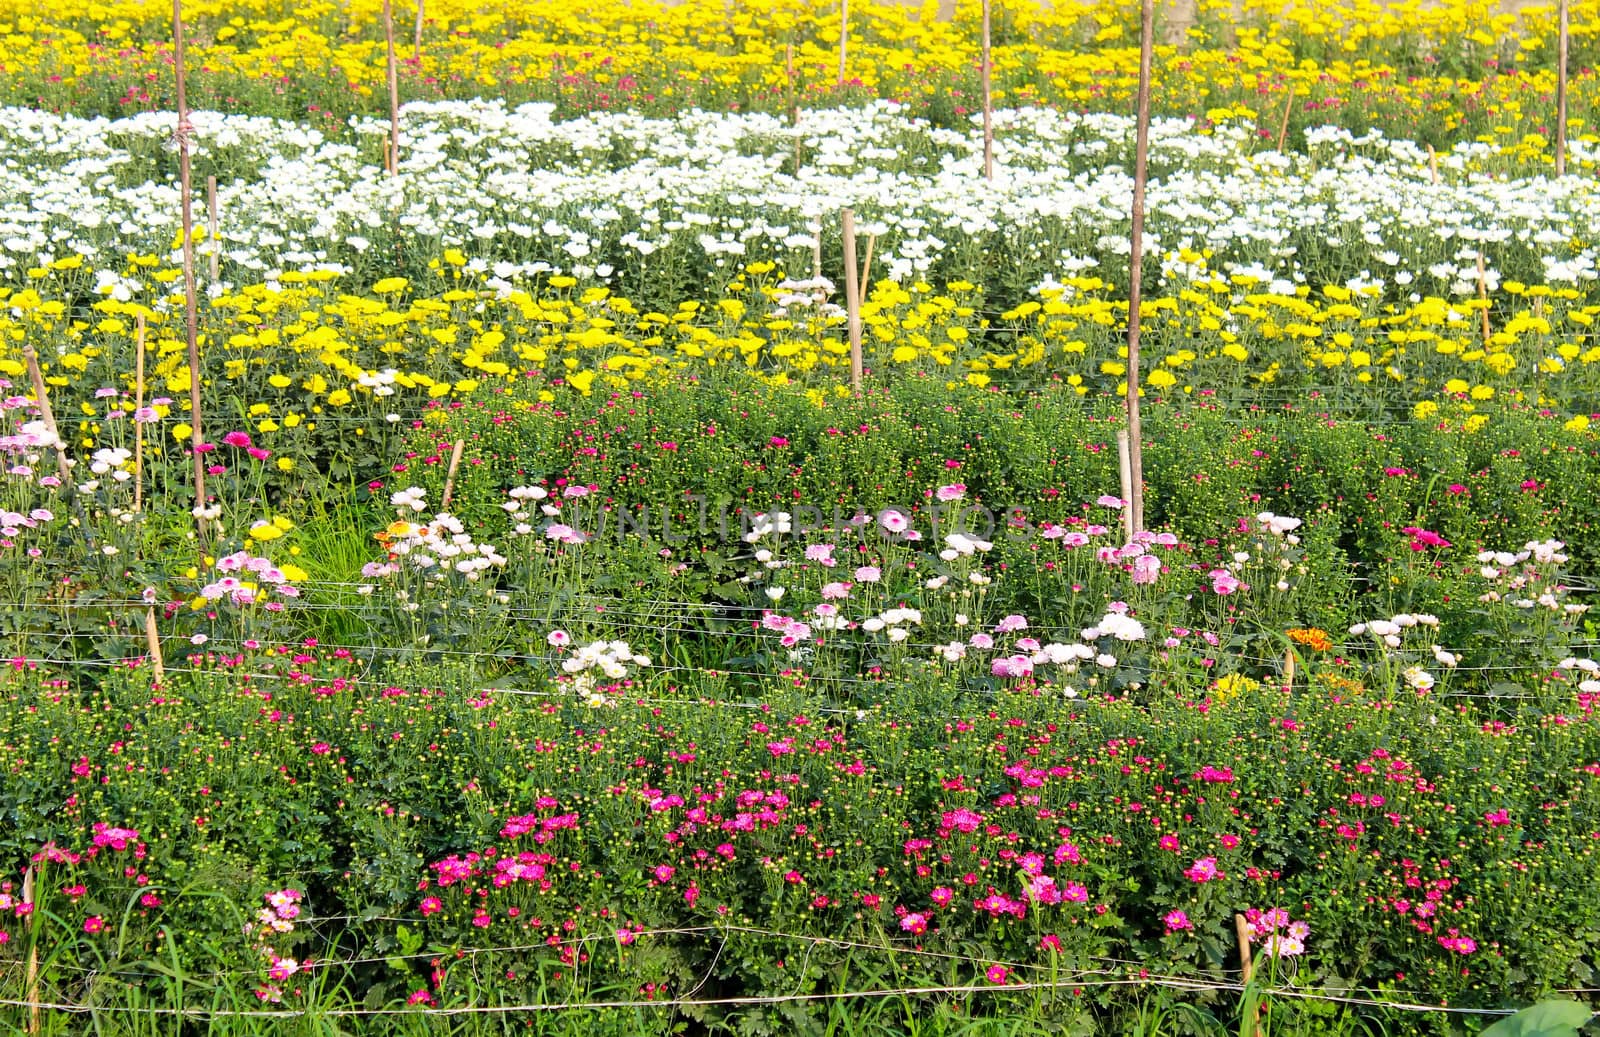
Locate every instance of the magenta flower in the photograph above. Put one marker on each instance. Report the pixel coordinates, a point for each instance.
(1177, 921)
(916, 924)
(997, 974)
(94, 924)
(1168, 842)
(237, 439)
(1203, 870)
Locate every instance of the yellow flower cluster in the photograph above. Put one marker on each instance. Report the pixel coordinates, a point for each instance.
(1433, 63)
(309, 347)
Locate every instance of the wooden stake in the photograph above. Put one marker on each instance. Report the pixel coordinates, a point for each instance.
(1483, 293)
(154, 641)
(1562, 34)
(450, 476)
(138, 405)
(1141, 154)
(1283, 126)
(1252, 1021)
(393, 157)
(1125, 469)
(1433, 165)
(794, 106)
(866, 271)
(35, 1021)
(852, 296)
(988, 101)
(816, 255)
(1288, 669)
(190, 305)
(36, 376)
(844, 36)
(788, 77)
(416, 41)
(211, 226)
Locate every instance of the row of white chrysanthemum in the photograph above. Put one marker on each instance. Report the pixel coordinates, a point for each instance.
(525, 194)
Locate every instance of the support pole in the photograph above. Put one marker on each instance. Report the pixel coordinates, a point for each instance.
(852, 296)
(844, 36)
(211, 228)
(393, 162)
(1141, 151)
(450, 476)
(1562, 34)
(190, 304)
(1125, 470)
(138, 405)
(153, 640)
(1250, 1025)
(36, 377)
(416, 41)
(988, 101)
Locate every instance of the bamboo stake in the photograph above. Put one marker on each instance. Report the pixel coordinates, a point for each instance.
(35, 1020)
(36, 376)
(392, 163)
(988, 101)
(211, 226)
(1483, 294)
(1141, 151)
(154, 641)
(1125, 469)
(852, 296)
(416, 40)
(788, 77)
(794, 106)
(816, 255)
(138, 405)
(866, 271)
(1562, 34)
(1283, 126)
(191, 317)
(1252, 1021)
(450, 476)
(844, 36)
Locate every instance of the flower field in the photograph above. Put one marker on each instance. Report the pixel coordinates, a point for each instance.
(533, 630)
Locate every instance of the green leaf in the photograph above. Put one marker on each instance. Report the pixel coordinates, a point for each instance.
(1546, 1019)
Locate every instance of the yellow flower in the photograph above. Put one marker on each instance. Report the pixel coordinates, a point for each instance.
(389, 285)
(1577, 424)
(285, 464)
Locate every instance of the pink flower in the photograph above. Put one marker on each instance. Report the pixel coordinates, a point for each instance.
(664, 872)
(997, 974)
(94, 924)
(431, 906)
(1169, 842)
(942, 895)
(321, 748)
(1050, 942)
(1496, 818)
(237, 439)
(952, 492)
(1203, 870)
(869, 574)
(420, 997)
(916, 924)
(1223, 581)
(1177, 921)
(1458, 943)
(1229, 842)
